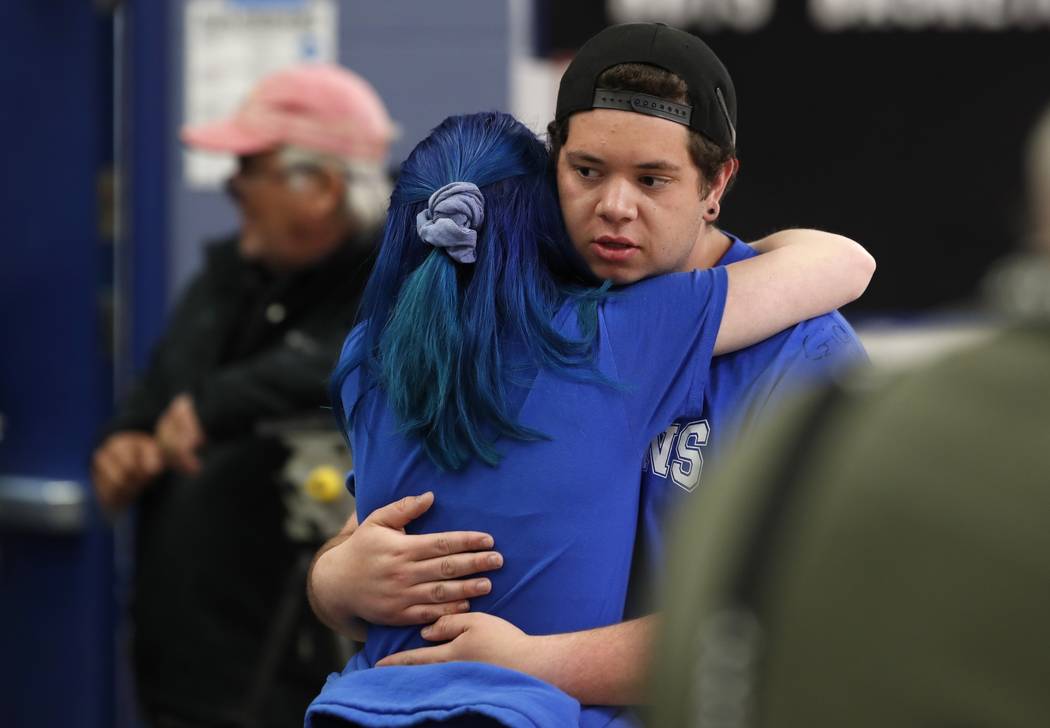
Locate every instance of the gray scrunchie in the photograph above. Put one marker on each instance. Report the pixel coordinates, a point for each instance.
(451, 219)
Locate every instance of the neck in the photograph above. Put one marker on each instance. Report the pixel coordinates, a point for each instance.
(711, 245)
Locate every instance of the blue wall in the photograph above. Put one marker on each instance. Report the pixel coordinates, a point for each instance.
(56, 613)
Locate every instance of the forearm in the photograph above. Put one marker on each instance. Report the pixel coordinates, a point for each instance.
(323, 585)
(803, 273)
(286, 379)
(842, 267)
(604, 666)
(271, 386)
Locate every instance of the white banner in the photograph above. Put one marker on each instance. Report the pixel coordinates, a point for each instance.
(229, 45)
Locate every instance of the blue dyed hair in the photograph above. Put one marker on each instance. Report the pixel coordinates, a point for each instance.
(435, 329)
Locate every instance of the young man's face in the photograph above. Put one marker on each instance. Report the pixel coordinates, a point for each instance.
(630, 194)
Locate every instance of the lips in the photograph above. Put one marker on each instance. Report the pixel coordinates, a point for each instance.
(614, 249)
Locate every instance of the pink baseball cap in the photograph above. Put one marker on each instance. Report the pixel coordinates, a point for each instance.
(317, 106)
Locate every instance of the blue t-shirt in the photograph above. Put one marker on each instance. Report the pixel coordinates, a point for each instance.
(740, 389)
(563, 511)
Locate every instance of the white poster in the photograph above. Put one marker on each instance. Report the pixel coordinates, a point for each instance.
(229, 45)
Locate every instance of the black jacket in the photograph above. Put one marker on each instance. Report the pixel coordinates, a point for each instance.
(212, 556)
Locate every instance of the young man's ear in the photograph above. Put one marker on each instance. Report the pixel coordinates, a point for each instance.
(721, 182)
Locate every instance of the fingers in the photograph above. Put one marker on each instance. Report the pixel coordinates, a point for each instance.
(447, 628)
(179, 435)
(427, 613)
(167, 436)
(189, 426)
(454, 542)
(106, 470)
(439, 592)
(400, 513)
(113, 486)
(429, 602)
(176, 453)
(420, 656)
(456, 566)
(122, 465)
(119, 461)
(121, 455)
(150, 459)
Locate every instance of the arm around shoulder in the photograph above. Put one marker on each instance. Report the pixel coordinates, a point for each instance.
(849, 260)
(800, 274)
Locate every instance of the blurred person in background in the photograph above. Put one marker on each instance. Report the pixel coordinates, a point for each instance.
(877, 555)
(644, 145)
(1020, 283)
(251, 340)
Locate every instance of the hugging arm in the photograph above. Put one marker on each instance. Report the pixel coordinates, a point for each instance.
(326, 599)
(376, 573)
(602, 666)
(801, 274)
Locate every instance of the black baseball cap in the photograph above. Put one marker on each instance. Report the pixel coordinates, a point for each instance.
(711, 110)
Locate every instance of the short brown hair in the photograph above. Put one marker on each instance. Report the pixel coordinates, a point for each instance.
(643, 78)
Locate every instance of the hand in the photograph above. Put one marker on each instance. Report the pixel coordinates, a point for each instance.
(179, 434)
(475, 637)
(384, 576)
(600, 666)
(121, 467)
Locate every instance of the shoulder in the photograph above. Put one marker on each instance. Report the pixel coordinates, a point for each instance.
(665, 289)
(828, 336)
(816, 345)
(666, 307)
(738, 250)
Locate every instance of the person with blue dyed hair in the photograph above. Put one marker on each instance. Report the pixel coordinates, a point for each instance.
(643, 149)
(490, 366)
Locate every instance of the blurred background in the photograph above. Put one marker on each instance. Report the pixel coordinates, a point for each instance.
(901, 123)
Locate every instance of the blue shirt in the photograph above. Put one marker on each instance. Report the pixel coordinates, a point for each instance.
(740, 390)
(563, 511)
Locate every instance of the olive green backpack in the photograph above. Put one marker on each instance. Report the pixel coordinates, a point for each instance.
(876, 557)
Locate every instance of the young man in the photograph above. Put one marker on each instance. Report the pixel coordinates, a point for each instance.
(644, 146)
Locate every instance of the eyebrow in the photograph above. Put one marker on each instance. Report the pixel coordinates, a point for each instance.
(658, 165)
(578, 157)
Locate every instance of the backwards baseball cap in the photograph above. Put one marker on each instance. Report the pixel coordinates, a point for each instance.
(711, 110)
(318, 106)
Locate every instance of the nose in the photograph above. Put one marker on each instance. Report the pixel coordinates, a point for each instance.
(616, 203)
